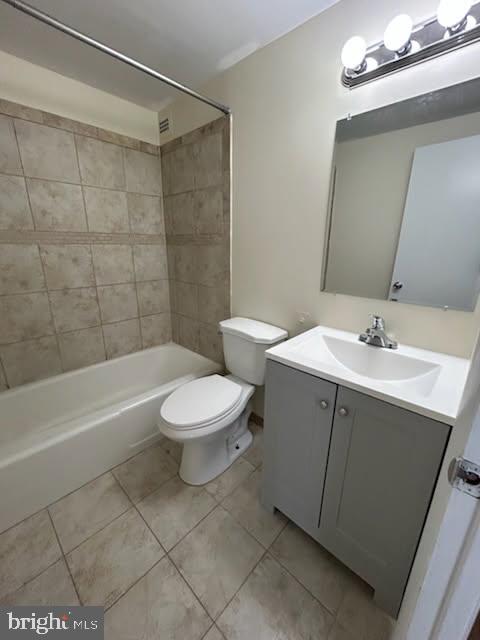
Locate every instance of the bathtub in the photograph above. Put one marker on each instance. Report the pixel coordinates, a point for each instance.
(59, 433)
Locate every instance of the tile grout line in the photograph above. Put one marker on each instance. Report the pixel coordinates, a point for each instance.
(64, 557)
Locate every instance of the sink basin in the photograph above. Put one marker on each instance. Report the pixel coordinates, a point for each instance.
(427, 382)
(377, 363)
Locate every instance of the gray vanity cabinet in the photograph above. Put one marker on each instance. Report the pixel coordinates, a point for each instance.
(382, 468)
(357, 475)
(299, 410)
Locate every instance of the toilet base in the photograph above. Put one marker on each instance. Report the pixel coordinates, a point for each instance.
(205, 459)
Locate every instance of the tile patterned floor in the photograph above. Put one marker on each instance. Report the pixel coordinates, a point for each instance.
(176, 562)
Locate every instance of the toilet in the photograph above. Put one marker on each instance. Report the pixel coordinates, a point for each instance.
(209, 415)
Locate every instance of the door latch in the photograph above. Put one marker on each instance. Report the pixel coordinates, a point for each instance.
(465, 476)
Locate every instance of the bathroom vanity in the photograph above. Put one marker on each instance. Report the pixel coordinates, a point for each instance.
(354, 440)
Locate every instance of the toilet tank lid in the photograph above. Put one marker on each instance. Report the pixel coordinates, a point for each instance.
(253, 330)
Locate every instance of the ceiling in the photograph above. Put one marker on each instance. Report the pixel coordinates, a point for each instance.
(188, 40)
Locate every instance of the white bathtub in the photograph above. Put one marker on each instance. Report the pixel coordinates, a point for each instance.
(59, 433)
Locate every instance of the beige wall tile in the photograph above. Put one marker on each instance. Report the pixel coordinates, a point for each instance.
(178, 169)
(122, 338)
(209, 211)
(210, 342)
(118, 302)
(212, 265)
(56, 206)
(31, 360)
(106, 210)
(142, 172)
(208, 161)
(20, 268)
(213, 304)
(180, 213)
(156, 329)
(74, 309)
(67, 266)
(113, 263)
(188, 333)
(47, 152)
(23, 317)
(70, 125)
(9, 156)
(101, 163)
(3, 380)
(14, 207)
(150, 262)
(186, 299)
(118, 138)
(21, 111)
(146, 213)
(81, 348)
(153, 297)
(185, 263)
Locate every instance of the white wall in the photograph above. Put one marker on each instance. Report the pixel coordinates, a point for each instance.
(286, 99)
(34, 86)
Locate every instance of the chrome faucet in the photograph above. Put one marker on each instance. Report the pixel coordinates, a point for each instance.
(376, 336)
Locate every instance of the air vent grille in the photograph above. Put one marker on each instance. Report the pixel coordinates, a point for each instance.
(164, 125)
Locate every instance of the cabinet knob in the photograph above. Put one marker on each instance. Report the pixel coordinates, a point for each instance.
(323, 404)
(343, 411)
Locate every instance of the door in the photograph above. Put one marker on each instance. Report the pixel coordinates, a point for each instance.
(441, 214)
(382, 469)
(298, 422)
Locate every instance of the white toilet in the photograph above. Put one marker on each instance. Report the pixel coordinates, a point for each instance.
(209, 416)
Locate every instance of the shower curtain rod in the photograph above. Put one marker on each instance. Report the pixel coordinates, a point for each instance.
(60, 26)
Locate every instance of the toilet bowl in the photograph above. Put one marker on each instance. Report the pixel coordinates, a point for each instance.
(209, 415)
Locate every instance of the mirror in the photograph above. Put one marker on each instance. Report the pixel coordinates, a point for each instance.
(404, 220)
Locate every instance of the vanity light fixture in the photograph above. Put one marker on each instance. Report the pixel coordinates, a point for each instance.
(456, 24)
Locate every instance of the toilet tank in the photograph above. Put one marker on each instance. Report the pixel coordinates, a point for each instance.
(244, 344)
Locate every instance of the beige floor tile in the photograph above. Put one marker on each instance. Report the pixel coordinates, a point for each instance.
(214, 634)
(174, 509)
(230, 479)
(318, 571)
(359, 615)
(244, 505)
(174, 449)
(108, 563)
(215, 558)
(254, 454)
(272, 604)
(159, 606)
(25, 551)
(52, 587)
(146, 472)
(87, 510)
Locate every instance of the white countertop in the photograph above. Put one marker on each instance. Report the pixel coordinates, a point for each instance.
(437, 393)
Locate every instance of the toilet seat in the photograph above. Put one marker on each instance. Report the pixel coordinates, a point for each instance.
(201, 402)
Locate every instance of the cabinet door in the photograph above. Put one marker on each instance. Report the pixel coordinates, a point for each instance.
(382, 470)
(298, 422)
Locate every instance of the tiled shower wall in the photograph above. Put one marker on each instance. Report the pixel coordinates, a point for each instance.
(196, 192)
(83, 265)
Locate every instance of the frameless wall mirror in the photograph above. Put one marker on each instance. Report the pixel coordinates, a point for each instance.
(404, 219)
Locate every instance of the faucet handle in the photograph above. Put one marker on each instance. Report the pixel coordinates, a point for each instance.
(377, 322)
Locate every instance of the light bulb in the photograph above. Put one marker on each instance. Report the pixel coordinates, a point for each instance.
(353, 53)
(398, 33)
(452, 13)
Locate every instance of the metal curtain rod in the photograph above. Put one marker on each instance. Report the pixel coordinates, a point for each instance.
(60, 26)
